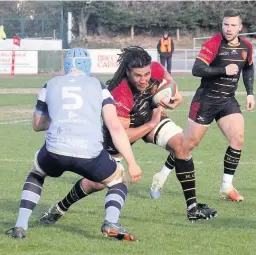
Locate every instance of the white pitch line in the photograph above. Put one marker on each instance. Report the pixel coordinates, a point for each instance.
(15, 160)
(14, 122)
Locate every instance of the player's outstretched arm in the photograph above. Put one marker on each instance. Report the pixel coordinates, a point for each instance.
(120, 140)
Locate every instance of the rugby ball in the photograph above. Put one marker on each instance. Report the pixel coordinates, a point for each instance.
(165, 91)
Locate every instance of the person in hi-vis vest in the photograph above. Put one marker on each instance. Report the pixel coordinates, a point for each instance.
(165, 48)
(2, 33)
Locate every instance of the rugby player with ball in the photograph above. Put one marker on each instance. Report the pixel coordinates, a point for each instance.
(136, 89)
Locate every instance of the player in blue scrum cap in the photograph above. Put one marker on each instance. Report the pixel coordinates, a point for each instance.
(69, 109)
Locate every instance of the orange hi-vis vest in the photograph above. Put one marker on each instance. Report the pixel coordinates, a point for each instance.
(166, 45)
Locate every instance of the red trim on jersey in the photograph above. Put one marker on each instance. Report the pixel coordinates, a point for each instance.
(157, 71)
(123, 98)
(249, 57)
(210, 49)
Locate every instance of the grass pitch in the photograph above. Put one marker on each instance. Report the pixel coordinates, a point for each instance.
(161, 225)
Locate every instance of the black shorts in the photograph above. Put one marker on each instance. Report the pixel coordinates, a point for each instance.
(204, 110)
(95, 169)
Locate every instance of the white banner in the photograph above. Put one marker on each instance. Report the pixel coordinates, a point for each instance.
(32, 44)
(26, 62)
(104, 61)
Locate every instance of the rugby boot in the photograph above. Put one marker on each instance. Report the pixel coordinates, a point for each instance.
(200, 212)
(52, 215)
(231, 194)
(16, 232)
(157, 185)
(117, 231)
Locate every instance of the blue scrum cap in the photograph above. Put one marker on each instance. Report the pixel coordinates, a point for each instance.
(78, 58)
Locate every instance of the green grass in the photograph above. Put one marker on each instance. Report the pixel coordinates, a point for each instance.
(186, 83)
(17, 100)
(161, 225)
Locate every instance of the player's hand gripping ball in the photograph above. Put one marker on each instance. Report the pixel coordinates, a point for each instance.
(165, 91)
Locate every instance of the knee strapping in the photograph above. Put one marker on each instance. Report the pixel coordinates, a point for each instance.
(118, 178)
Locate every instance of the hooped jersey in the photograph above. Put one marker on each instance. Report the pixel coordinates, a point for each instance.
(134, 105)
(218, 52)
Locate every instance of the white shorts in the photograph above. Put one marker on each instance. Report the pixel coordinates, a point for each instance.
(165, 130)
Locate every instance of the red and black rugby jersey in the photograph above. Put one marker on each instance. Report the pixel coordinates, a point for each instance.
(136, 105)
(217, 52)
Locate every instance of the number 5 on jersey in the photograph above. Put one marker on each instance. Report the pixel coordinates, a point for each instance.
(73, 97)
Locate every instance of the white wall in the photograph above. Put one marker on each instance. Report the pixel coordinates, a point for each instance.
(32, 44)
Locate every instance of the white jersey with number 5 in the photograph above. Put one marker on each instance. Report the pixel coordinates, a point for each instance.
(74, 103)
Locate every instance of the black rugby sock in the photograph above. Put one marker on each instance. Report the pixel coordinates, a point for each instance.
(74, 195)
(185, 173)
(231, 160)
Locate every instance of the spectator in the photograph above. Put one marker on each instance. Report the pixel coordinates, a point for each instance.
(165, 48)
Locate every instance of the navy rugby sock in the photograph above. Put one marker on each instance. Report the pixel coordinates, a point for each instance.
(114, 202)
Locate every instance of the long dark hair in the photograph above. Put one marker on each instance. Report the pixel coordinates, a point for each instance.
(131, 57)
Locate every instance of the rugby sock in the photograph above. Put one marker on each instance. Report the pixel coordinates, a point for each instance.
(231, 161)
(114, 202)
(30, 196)
(185, 173)
(75, 194)
(168, 166)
